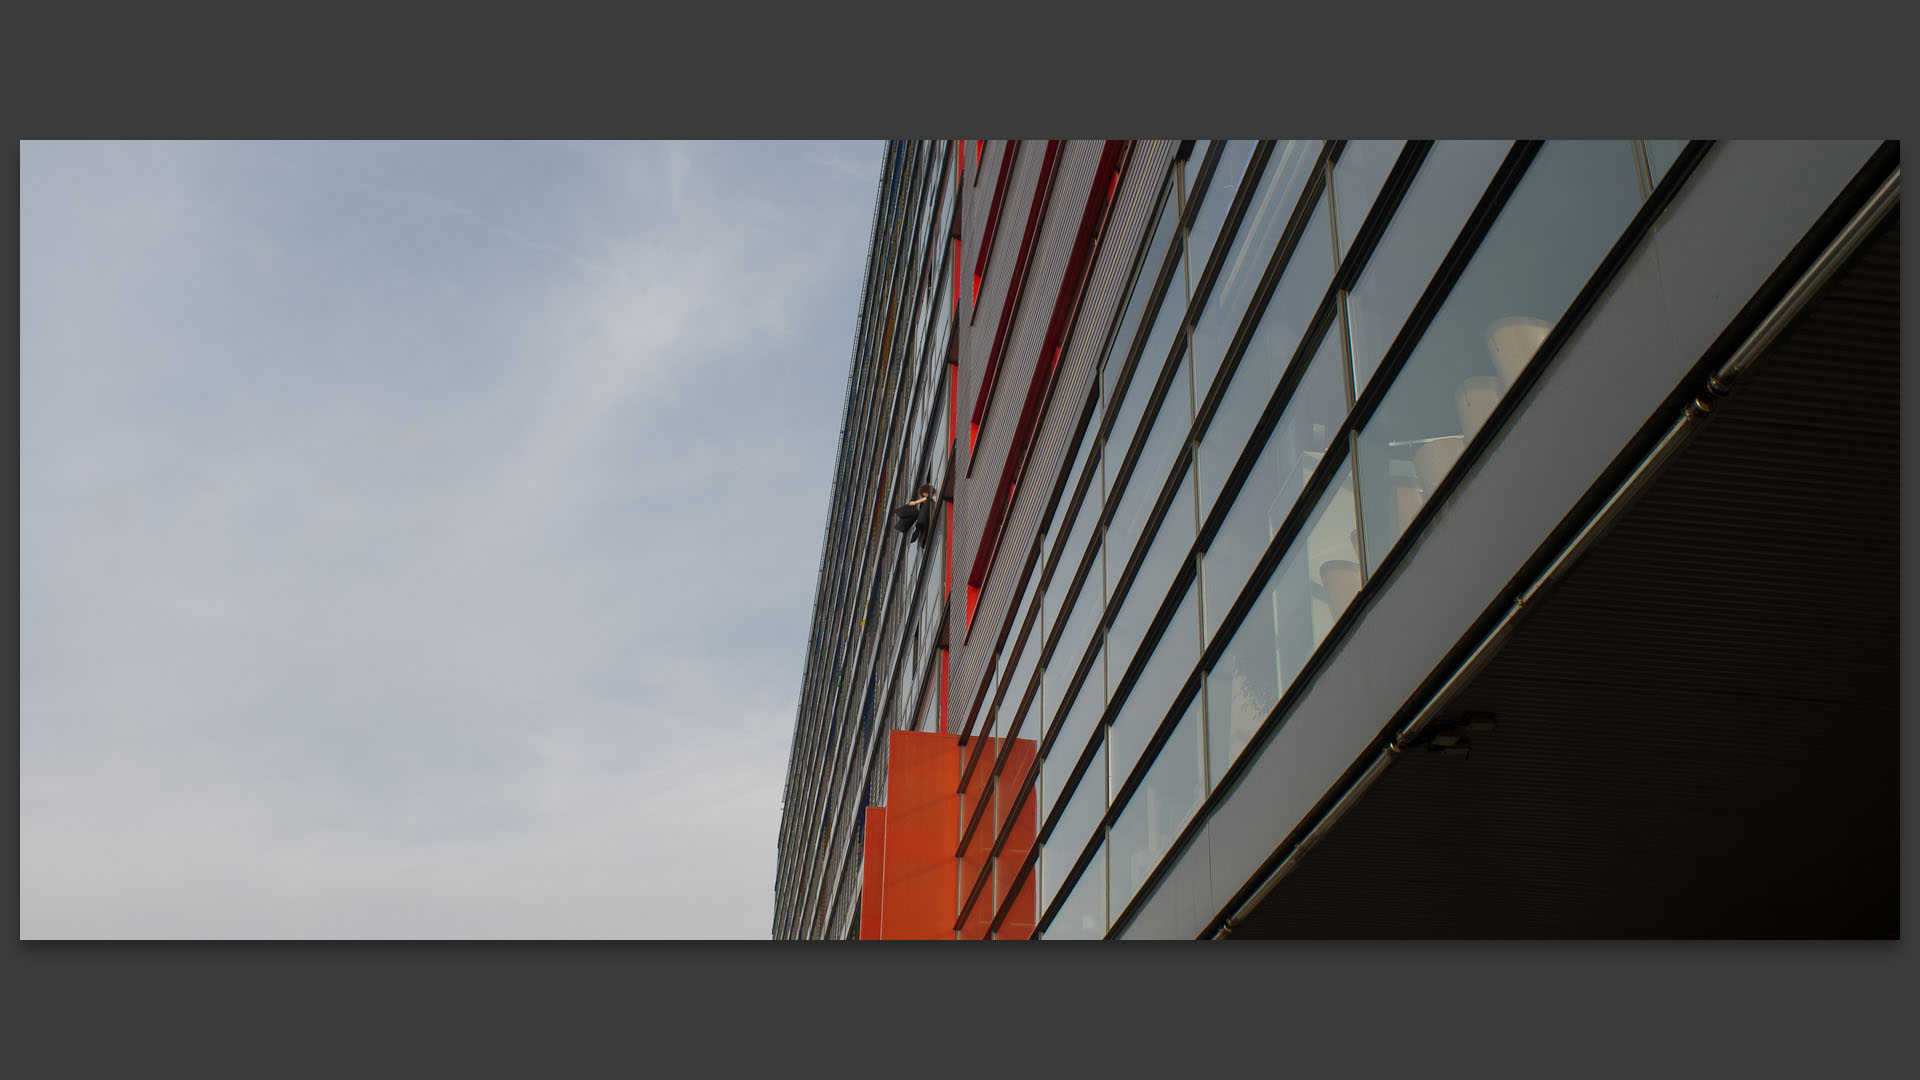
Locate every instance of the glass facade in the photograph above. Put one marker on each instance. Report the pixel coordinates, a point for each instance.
(874, 649)
(1308, 339)
(1237, 524)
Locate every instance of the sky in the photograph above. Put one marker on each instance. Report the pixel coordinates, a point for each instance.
(419, 540)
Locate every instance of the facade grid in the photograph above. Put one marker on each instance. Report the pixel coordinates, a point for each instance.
(1189, 407)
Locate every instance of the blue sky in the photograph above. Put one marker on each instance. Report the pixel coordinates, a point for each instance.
(418, 540)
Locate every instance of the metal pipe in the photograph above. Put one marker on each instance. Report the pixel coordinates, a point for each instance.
(1858, 228)
(1719, 385)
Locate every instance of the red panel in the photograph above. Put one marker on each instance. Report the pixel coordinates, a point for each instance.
(1024, 905)
(920, 879)
(1066, 303)
(873, 888)
(1035, 211)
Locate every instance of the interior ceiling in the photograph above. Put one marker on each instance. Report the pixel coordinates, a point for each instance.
(1697, 729)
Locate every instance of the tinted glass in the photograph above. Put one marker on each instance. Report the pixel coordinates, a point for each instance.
(1082, 618)
(1086, 805)
(1167, 551)
(1302, 287)
(1310, 588)
(1019, 676)
(1137, 300)
(1567, 211)
(1079, 532)
(1139, 390)
(1171, 425)
(1081, 719)
(1158, 809)
(1083, 916)
(1444, 192)
(1166, 671)
(1228, 176)
(1357, 179)
(1661, 154)
(1265, 221)
(1286, 460)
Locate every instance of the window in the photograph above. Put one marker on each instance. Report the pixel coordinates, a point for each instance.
(1444, 192)
(1554, 230)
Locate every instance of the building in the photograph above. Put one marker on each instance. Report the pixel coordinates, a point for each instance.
(1363, 539)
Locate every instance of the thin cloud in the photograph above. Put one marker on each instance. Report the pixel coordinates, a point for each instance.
(381, 581)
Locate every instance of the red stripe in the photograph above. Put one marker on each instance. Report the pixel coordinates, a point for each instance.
(1066, 305)
(1035, 211)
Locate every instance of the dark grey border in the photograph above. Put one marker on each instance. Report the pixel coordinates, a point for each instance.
(1667, 70)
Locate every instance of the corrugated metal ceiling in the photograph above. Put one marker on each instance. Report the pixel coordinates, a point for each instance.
(1698, 728)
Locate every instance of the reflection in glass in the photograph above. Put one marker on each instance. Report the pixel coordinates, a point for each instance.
(1294, 449)
(1167, 796)
(1357, 178)
(1288, 168)
(1083, 916)
(1661, 154)
(1228, 174)
(1302, 599)
(1163, 232)
(1444, 192)
(1082, 717)
(1165, 554)
(1020, 675)
(1567, 211)
(1168, 435)
(1172, 660)
(1082, 619)
(1139, 389)
(1086, 805)
(1075, 548)
(1302, 286)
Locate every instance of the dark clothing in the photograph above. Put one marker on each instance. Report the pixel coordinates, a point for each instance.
(915, 520)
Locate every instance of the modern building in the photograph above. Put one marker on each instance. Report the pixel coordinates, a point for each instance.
(1362, 539)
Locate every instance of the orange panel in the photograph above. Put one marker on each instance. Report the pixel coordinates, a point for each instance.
(919, 878)
(873, 890)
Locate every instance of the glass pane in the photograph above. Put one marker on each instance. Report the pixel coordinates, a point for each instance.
(1444, 192)
(1140, 387)
(1171, 425)
(1083, 916)
(1288, 459)
(1082, 618)
(1078, 536)
(930, 710)
(1081, 453)
(1171, 543)
(1009, 783)
(1559, 223)
(1086, 805)
(1260, 230)
(1082, 717)
(1017, 679)
(1292, 306)
(1174, 655)
(1228, 174)
(1661, 154)
(1163, 231)
(1310, 588)
(1357, 178)
(1158, 809)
